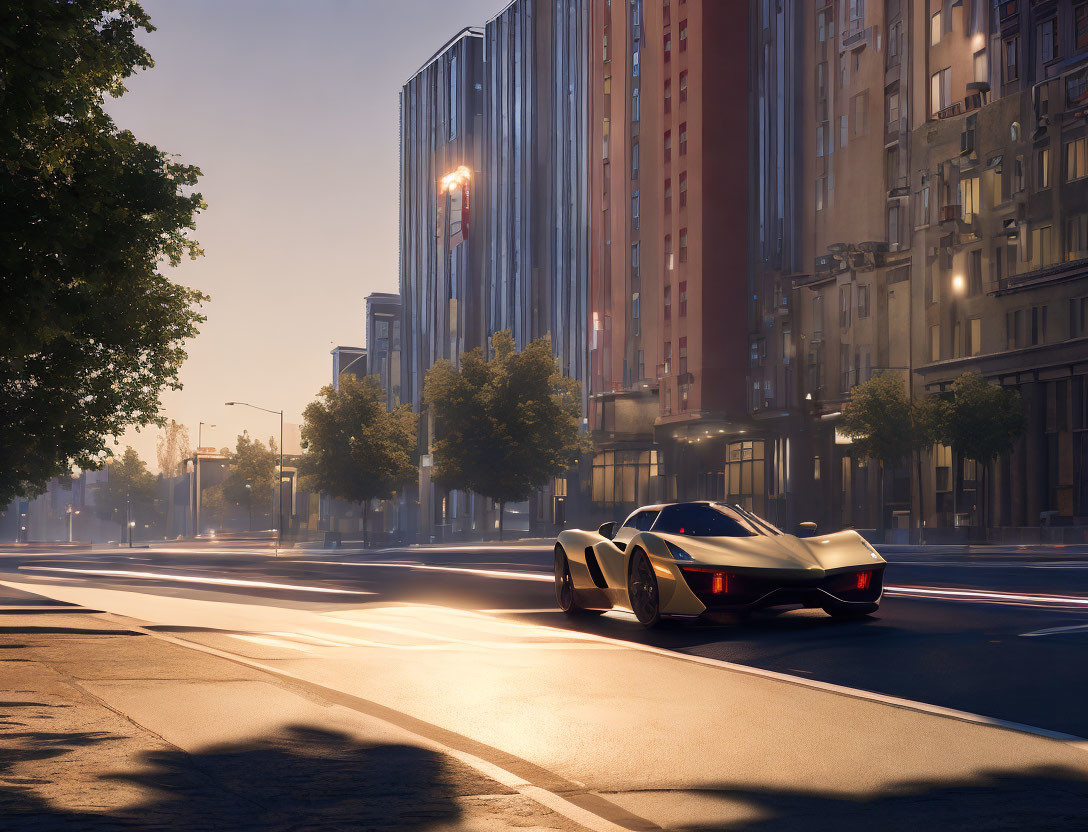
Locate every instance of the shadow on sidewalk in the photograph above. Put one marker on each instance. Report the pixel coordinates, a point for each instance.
(306, 778)
(1050, 798)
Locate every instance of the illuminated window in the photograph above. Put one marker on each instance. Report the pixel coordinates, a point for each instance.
(683, 86)
(683, 35)
(683, 189)
(936, 30)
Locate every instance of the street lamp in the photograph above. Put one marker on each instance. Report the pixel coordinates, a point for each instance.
(71, 513)
(279, 485)
(196, 476)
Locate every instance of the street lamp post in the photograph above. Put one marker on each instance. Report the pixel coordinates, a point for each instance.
(279, 484)
(196, 477)
(71, 513)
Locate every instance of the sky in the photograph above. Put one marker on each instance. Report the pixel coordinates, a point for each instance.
(290, 109)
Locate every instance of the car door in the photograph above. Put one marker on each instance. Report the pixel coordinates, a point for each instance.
(610, 553)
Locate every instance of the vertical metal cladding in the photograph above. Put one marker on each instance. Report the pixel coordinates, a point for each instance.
(535, 172)
(441, 259)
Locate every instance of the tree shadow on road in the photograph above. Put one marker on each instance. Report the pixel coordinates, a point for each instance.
(1050, 798)
(303, 779)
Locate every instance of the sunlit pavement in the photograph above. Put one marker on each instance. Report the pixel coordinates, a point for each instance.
(791, 719)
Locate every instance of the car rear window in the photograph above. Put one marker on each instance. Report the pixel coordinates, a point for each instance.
(702, 520)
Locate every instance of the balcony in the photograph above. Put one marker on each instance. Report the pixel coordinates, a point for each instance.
(951, 111)
(950, 213)
(857, 39)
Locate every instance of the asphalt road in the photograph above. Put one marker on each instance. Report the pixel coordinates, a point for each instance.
(467, 639)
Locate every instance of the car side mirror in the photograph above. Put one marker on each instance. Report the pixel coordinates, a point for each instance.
(806, 529)
(607, 529)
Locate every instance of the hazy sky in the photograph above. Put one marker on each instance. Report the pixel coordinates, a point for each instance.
(290, 110)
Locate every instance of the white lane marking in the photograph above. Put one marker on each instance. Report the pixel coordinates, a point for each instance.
(195, 579)
(984, 595)
(1051, 630)
(487, 573)
(542, 610)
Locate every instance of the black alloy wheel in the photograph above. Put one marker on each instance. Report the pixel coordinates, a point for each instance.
(564, 584)
(642, 590)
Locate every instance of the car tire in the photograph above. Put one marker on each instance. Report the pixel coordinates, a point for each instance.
(642, 590)
(848, 613)
(566, 596)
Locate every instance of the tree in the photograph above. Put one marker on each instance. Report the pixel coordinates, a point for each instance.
(505, 426)
(353, 448)
(90, 332)
(252, 476)
(885, 425)
(173, 449)
(981, 421)
(129, 492)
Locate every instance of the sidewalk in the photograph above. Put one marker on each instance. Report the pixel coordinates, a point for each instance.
(105, 728)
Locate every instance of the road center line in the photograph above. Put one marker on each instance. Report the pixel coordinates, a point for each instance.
(195, 579)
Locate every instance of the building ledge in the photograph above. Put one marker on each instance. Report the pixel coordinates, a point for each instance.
(993, 357)
(1070, 270)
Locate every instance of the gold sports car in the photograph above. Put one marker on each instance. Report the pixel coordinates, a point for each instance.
(685, 560)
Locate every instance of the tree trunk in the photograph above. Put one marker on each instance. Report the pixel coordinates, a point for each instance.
(501, 504)
(880, 530)
(921, 498)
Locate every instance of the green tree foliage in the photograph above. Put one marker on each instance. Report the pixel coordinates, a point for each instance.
(886, 426)
(980, 420)
(506, 425)
(353, 448)
(90, 331)
(130, 491)
(879, 419)
(251, 481)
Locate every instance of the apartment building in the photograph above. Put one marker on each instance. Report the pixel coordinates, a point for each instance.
(668, 250)
(999, 181)
(383, 342)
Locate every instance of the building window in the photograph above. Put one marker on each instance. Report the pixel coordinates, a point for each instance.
(604, 47)
(1048, 40)
(683, 356)
(969, 197)
(452, 98)
(634, 160)
(684, 139)
(893, 224)
(635, 314)
(820, 188)
(666, 12)
(668, 304)
(635, 109)
(892, 109)
(844, 130)
(818, 318)
(668, 196)
(863, 300)
(667, 368)
(668, 46)
(668, 259)
(683, 86)
(668, 96)
(1080, 27)
(683, 290)
(1037, 335)
(936, 29)
(844, 306)
(846, 367)
(1043, 168)
(1011, 50)
(1018, 174)
(974, 272)
(923, 206)
(974, 334)
(605, 131)
(634, 210)
(1042, 246)
(982, 66)
(1076, 237)
(636, 258)
(1078, 320)
(668, 146)
(935, 343)
(683, 248)
(1076, 159)
(940, 90)
(1013, 321)
(819, 141)
(859, 108)
(683, 189)
(683, 36)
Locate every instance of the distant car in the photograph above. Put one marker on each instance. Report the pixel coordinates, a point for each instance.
(685, 560)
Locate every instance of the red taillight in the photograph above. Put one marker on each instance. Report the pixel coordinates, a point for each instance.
(719, 583)
(863, 579)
